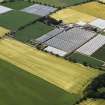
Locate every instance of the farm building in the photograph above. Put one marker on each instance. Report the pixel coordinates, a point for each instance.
(55, 51)
(93, 45)
(68, 40)
(98, 23)
(49, 35)
(38, 9)
(71, 29)
(4, 9)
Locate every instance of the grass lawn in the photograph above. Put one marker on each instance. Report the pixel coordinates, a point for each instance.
(100, 53)
(17, 5)
(60, 3)
(83, 59)
(93, 8)
(55, 70)
(15, 19)
(33, 31)
(18, 87)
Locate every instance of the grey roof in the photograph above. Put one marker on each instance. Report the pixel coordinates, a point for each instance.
(38, 9)
(50, 35)
(70, 40)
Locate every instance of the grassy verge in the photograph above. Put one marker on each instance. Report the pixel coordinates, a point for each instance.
(86, 60)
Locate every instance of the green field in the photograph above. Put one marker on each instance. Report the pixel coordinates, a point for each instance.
(18, 87)
(60, 3)
(33, 31)
(89, 61)
(15, 19)
(100, 54)
(17, 5)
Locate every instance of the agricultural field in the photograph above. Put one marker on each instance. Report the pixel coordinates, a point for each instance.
(52, 52)
(93, 102)
(86, 60)
(17, 5)
(18, 87)
(100, 53)
(93, 8)
(3, 31)
(15, 19)
(69, 15)
(63, 74)
(60, 3)
(32, 32)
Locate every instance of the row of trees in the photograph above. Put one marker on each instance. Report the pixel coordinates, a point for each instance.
(92, 91)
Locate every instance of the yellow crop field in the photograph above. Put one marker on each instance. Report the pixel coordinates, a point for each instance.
(69, 76)
(93, 8)
(3, 31)
(93, 102)
(71, 16)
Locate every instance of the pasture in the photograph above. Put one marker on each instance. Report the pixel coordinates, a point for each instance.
(32, 32)
(55, 70)
(69, 15)
(17, 5)
(18, 87)
(93, 102)
(100, 53)
(3, 31)
(60, 3)
(93, 8)
(15, 19)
